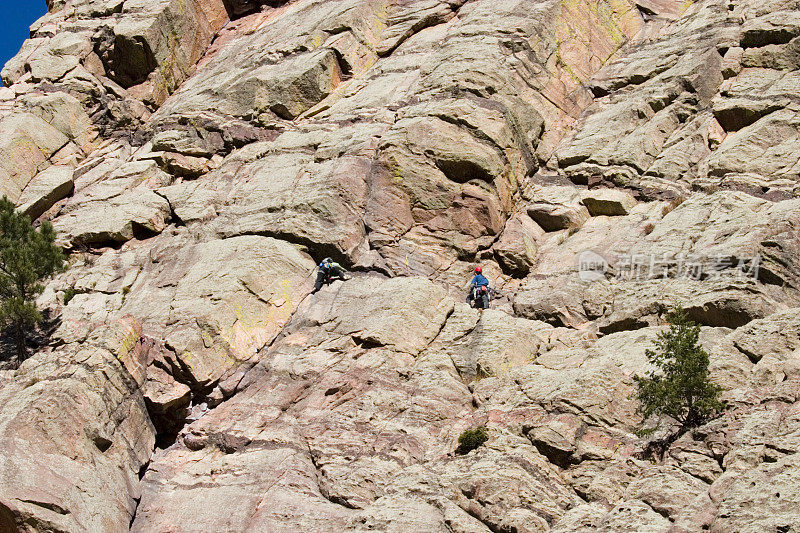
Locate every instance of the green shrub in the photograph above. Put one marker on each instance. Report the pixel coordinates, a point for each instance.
(69, 294)
(679, 388)
(471, 439)
(27, 256)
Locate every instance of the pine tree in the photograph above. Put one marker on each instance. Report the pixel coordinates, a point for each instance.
(27, 257)
(679, 387)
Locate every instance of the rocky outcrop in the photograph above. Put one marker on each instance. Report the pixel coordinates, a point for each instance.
(76, 434)
(704, 106)
(47, 188)
(601, 160)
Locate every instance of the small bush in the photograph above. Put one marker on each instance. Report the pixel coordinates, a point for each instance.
(680, 388)
(69, 294)
(471, 439)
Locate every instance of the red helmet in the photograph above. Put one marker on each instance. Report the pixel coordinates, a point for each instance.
(478, 270)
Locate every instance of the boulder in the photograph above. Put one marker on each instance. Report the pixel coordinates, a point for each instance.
(774, 28)
(605, 482)
(608, 202)
(164, 38)
(557, 208)
(516, 249)
(27, 142)
(44, 190)
(759, 147)
(289, 90)
(209, 313)
(429, 158)
(14, 69)
(252, 79)
(134, 213)
(555, 217)
(778, 334)
(65, 113)
(188, 141)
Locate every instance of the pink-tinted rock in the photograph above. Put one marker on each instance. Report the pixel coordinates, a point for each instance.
(583, 153)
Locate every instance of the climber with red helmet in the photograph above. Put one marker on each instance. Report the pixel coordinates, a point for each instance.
(479, 290)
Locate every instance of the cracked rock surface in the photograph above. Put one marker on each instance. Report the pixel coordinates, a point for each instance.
(601, 159)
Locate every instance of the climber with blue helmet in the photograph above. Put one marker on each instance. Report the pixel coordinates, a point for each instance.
(328, 271)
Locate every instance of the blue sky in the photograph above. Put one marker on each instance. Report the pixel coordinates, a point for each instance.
(17, 16)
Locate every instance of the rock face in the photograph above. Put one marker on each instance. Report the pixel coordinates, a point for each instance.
(76, 434)
(601, 159)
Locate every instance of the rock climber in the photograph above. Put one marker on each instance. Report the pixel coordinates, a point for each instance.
(479, 291)
(328, 271)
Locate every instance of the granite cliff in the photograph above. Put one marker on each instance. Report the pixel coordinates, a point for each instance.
(602, 159)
